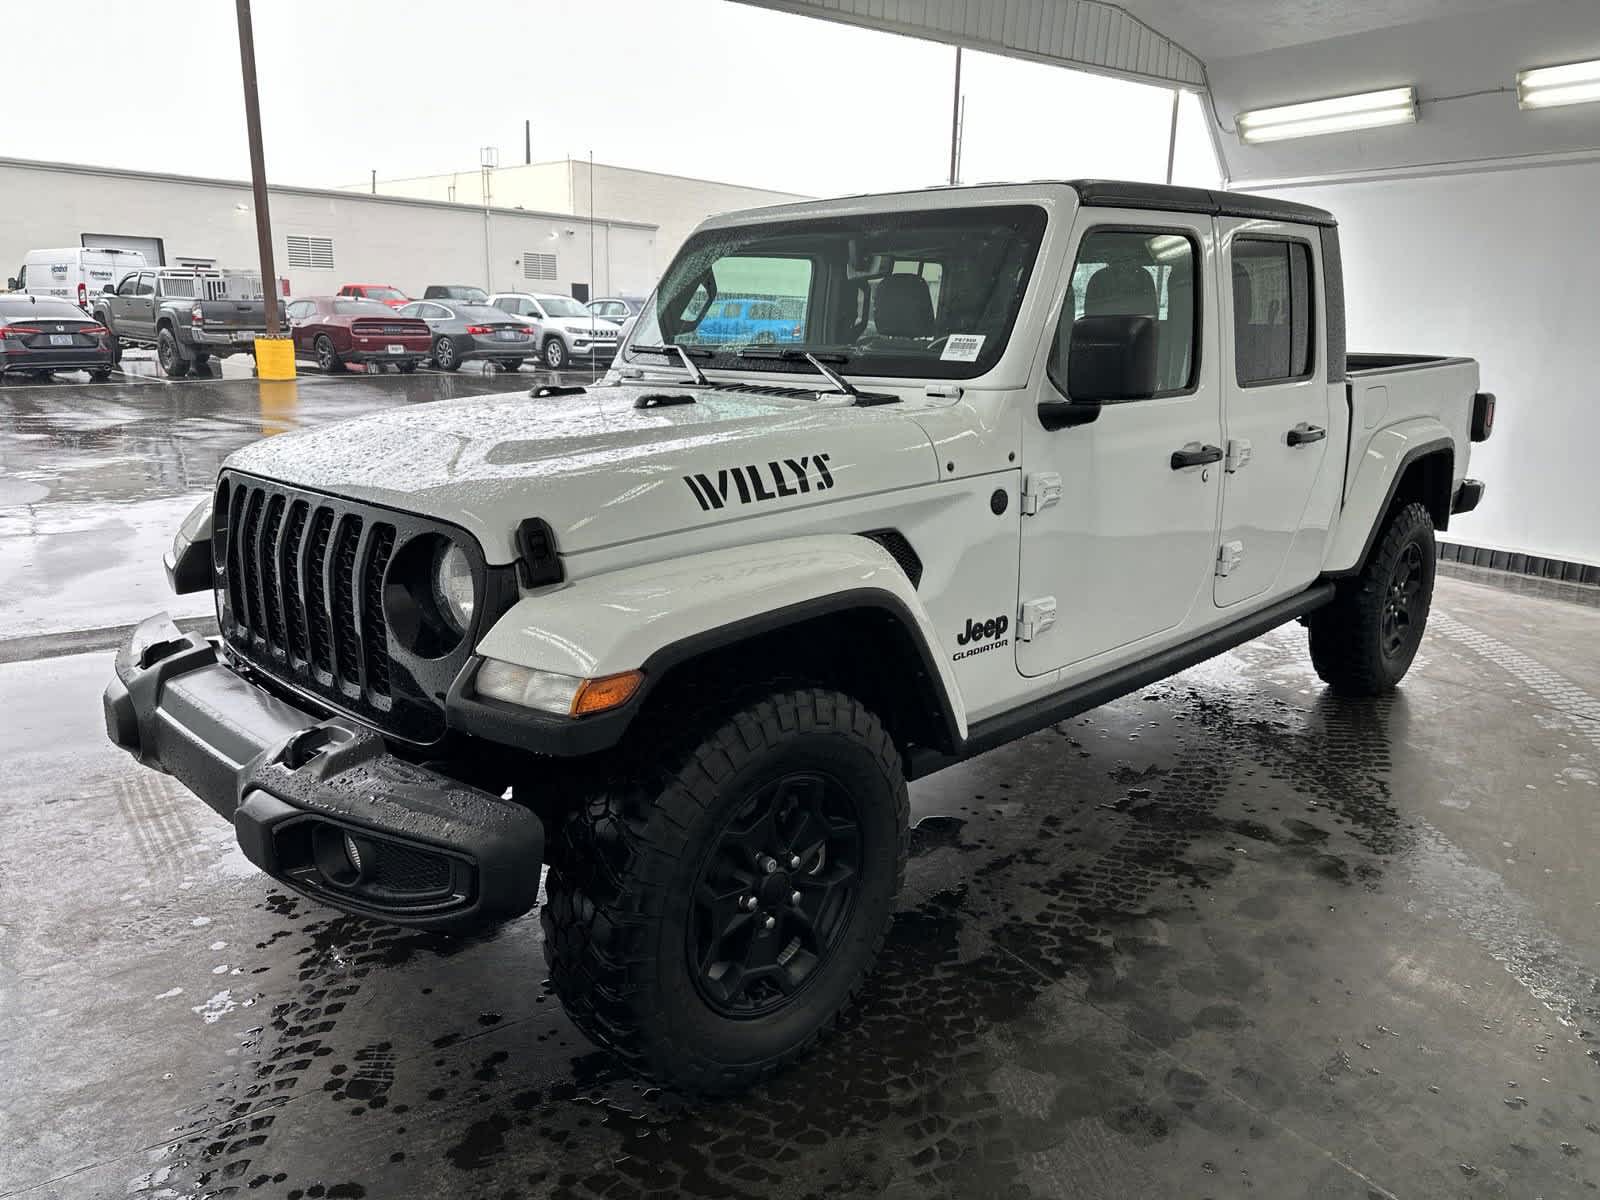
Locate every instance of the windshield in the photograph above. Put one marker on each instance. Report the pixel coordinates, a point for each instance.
(481, 313)
(377, 293)
(355, 308)
(560, 306)
(42, 310)
(919, 294)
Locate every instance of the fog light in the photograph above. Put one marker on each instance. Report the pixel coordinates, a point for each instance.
(353, 851)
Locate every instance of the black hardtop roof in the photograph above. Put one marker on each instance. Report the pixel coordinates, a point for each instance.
(1119, 193)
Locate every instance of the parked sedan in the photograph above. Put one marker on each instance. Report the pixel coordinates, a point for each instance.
(455, 291)
(336, 330)
(40, 335)
(467, 331)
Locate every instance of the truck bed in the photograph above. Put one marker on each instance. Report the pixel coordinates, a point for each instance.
(1386, 390)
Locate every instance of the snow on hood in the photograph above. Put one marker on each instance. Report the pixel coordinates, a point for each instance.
(599, 469)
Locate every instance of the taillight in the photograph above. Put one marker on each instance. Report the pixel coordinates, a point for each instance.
(92, 330)
(197, 315)
(1482, 416)
(83, 295)
(479, 329)
(18, 331)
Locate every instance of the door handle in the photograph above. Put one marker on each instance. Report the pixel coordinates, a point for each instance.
(1304, 435)
(1194, 456)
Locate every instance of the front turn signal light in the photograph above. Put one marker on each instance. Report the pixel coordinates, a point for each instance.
(606, 693)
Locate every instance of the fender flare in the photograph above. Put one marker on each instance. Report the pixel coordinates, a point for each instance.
(1389, 452)
(659, 615)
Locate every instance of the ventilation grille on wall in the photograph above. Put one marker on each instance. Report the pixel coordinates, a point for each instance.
(311, 253)
(538, 266)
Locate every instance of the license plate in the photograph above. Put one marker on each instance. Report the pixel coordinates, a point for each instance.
(393, 349)
(244, 337)
(61, 339)
(508, 335)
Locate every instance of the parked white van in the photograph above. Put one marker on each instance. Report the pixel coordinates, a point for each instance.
(74, 272)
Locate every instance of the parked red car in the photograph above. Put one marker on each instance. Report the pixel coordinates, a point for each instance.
(336, 330)
(384, 293)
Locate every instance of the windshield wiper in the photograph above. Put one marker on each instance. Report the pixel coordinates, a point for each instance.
(683, 353)
(790, 354)
(820, 363)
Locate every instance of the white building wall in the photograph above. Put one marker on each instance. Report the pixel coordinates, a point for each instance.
(673, 203)
(1499, 265)
(376, 239)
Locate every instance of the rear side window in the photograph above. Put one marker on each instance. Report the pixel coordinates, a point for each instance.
(1272, 313)
(1124, 272)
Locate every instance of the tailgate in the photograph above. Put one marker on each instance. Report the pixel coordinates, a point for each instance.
(234, 314)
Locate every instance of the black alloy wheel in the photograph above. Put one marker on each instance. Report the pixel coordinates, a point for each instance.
(1400, 602)
(328, 361)
(775, 892)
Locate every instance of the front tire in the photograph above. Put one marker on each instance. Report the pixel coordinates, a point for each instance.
(170, 355)
(554, 353)
(1363, 643)
(711, 919)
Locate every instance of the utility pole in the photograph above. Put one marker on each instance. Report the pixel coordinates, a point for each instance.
(374, 181)
(955, 119)
(527, 142)
(258, 167)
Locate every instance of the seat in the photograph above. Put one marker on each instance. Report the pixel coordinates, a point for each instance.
(1120, 290)
(902, 307)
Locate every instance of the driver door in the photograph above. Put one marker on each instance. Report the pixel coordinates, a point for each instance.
(1120, 513)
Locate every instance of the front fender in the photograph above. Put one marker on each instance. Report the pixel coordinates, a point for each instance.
(1387, 455)
(655, 615)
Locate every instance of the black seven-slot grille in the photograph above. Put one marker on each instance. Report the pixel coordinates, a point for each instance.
(302, 599)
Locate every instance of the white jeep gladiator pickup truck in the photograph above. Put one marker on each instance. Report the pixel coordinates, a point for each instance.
(684, 636)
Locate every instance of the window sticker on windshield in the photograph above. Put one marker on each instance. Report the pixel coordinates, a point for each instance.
(962, 347)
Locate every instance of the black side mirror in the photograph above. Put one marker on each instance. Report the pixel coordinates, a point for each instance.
(109, 289)
(13, 285)
(1109, 358)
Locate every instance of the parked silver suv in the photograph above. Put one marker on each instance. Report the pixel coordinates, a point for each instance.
(567, 330)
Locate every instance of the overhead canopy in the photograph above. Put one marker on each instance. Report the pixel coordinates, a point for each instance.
(1462, 56)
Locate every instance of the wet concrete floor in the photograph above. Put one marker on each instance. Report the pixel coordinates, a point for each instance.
(1226, 937)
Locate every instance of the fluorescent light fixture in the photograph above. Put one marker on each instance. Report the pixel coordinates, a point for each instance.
(1548, 87)
(1392, 106)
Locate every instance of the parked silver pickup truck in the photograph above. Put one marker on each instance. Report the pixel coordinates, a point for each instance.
(187, 315)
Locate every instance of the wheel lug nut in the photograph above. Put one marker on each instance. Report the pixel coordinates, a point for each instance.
(770, 923)
(748, 903)
(794, 862)
(795, 899)
(768, 864)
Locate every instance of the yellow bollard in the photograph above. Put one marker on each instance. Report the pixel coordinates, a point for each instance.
(274, 358)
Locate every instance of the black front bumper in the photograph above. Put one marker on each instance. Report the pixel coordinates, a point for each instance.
(322, 805)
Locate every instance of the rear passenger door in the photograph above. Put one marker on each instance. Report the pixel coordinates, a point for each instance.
(1276, 501)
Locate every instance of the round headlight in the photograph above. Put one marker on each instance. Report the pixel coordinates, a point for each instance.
(452, 588)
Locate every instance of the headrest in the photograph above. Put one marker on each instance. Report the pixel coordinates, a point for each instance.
(903, 307)
(1120, 290)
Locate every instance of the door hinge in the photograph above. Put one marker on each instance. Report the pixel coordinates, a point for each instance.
(1040, 489)
(1238, 454)
(1229, 556)
(1036, 616)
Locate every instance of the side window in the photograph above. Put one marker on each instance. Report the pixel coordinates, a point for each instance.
(1272, 316)
(1149, 273)
(147, 284)
(128, 285)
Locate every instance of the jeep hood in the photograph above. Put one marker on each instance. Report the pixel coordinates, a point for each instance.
(599, 468)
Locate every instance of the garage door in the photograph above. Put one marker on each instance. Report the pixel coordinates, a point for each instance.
(150, 247)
